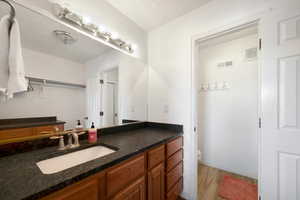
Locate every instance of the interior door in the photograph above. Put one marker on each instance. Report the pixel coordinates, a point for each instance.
(108, 104)
(280, 139)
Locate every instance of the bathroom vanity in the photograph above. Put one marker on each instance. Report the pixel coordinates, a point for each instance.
(147, 164)
(131, 178)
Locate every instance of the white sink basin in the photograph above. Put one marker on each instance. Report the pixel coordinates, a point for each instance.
(60, 163)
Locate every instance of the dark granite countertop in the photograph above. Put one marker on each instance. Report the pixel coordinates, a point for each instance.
(20, 177)
(27, 125)
(28, 122)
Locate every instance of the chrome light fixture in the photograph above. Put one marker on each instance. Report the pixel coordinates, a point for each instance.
(64, 36)
(91, 28)
(76, 20)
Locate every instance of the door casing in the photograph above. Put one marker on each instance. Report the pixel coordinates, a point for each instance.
(254, 20)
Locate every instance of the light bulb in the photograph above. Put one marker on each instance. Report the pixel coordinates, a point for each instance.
(102, 28)
(86, 20)
(134, 46)
(114, 35)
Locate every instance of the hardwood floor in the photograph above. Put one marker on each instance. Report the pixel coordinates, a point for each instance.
(208, 182)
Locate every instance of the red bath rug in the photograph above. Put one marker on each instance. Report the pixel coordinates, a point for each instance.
(232, 188)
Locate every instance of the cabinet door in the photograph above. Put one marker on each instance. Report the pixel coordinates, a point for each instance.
(122, 175)
(156, 183)
(92, 188)
(135, 191)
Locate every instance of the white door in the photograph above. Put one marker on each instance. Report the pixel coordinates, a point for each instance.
(280, 138)
(108, 104)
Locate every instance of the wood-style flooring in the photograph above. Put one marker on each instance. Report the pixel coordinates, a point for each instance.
(208, 182)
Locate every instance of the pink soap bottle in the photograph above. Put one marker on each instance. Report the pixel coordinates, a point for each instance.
(92, 134)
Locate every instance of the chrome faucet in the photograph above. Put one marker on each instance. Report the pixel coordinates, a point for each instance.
(72, 136)
(61, 144)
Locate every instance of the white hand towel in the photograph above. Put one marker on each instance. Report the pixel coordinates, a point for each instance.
(16, 81)
(4, 48)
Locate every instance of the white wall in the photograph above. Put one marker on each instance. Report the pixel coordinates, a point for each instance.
(169, 56)
(41, 65)
(133, 78)
(133, 89)
(228, 118)
(50, 101)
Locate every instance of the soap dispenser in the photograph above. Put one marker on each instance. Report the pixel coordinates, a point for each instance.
(79, 126)
(92, 138)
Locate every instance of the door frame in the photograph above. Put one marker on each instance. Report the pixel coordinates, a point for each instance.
(252, 20)
(115, 97)
(101, 106)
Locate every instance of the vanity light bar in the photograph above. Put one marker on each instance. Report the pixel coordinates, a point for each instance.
(75, 19)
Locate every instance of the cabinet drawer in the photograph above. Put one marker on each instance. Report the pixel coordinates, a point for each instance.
(123, 174)
(174, 160)
(156, 156)
(16, 133)
(174, 146)
(135, 191)
(174, 175)
(175, 191)
(50, 128)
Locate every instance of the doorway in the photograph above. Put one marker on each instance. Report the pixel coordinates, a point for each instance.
(109, 96)
(227, 85)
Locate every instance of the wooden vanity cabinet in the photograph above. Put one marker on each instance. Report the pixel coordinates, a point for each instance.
(174, 168)
(152, 175)
(14, 133)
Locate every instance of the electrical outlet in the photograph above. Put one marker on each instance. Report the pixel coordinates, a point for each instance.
(166, 109)
(251, 54)
(199, 154)
(132, 109)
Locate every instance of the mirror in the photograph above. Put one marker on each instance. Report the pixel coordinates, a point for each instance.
(116, 90)
(73, 76)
